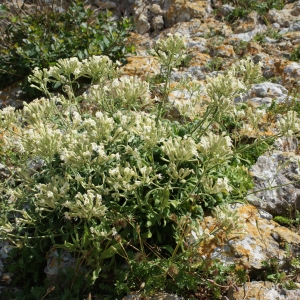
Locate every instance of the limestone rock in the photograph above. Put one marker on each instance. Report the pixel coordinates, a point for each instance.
(259, 239)
(253, 48)
(259, 290)
(286, 16)
(141, 66)
(184, 10)
(267, 61)
(197, 46)
(105, 4)
(224, 51)
(292, 70)
(286, 144)
(157, 23)
(276, 178)
(156, 9)
(265, 93)
(248, 24)
(142, 24)
(248, 36)
(225, 10)
(196, 73)
(160, 296)
(56, 262)
(11, 96)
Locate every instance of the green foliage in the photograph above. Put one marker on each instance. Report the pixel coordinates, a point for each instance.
(286, 277)
(295, 55)
(270, 32)
(239, 47)
(282, 108)
(244, 7)
(249, 152)
(292, 222)
(215, 64)
(236, 14)
(187, 276)
(283, 220)
(39, 39)
(105, 177)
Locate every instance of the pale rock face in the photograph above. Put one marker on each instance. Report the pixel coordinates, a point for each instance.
(292, 69)
(259, 290)
(141, 66)
(105, 4)
(276, 178)
(289, 70)
(286, 144)
(57, 262)
(185, 10)
(285, 17)
(156, 9)
(268, 89)
(265, 93)
(158, 23)
(248, 24)
(258, 239)
(224, 51)
(226, 9)
(11, 96)
(142, 24)
(247, 36)
(268, 64)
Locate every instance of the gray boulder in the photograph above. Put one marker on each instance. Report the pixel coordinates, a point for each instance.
(265, 93)
(277, 183)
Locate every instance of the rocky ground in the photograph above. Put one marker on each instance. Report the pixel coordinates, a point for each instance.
(214, 44)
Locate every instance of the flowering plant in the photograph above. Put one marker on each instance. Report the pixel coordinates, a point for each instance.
(116, 180)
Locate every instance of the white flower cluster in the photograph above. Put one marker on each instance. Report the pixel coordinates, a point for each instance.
(180, 149)
(247, 71)
(130, 89)
(145, 126)
(198, 236)
(170, 50)
(99, 68)
(85, 206)
(8, 117)
(224, 88)
(50, 196)
(228, 219)
(123, 179)
(221, 185)
(289, 124)
(180, 174)
(121, 93)
(66, 71)
(216, 147)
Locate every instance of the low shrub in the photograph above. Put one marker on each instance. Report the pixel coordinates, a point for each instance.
(42, 37)
(107, 178)
(295, 55)
(244, 7)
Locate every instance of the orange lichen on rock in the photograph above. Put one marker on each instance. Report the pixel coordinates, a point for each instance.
(141, 66)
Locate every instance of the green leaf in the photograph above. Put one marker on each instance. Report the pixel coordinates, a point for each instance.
(14, 19)
(106, 41)
(95, 274)
(111, 251)
(57, 84)
(168, 248)
(146, 235)
(68, 246)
